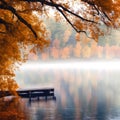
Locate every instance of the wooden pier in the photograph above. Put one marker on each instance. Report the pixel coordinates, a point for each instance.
(32, 93)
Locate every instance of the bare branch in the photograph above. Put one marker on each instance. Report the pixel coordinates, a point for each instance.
(72, 24)
(52, 4)
(83, 19)
(106, 16)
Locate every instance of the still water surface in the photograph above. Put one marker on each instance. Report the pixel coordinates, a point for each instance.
(80, 94)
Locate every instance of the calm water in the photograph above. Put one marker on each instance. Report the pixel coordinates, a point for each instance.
(80, 94)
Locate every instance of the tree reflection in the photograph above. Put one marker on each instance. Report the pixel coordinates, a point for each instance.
(13, 109)
(81, 94)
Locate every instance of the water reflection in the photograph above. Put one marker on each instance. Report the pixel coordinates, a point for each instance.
(81, 94)
(13, 108)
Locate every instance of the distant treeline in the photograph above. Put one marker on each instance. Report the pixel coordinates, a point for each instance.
(66, 44)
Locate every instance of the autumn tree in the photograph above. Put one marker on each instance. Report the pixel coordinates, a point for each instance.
(22, 29)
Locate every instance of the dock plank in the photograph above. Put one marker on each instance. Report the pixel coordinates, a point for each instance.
(31, 93)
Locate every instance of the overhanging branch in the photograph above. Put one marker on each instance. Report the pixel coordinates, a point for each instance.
(13, 10)
(60, 8)
(6, 24)
(53, 4)
(71, 23)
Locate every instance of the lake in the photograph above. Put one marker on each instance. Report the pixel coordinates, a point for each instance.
(81, 94)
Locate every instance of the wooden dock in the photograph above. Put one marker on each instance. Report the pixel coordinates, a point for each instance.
(32, 93)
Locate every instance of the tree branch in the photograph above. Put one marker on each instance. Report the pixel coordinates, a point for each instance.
(71, 23)
(6, 24)
(10, 8)
(60, 9)
(91, 3)
(52, 4)
(2, 32)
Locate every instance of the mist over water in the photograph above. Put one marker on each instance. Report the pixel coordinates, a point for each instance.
(71, 64)
(81, 94)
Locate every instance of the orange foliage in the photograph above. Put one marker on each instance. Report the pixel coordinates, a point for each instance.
(100, 51)
(16, 40)
(86, 52)
(65, 53)
(77, 36)
(83, 49)
(33, 56)
(67, 35)
(55, 52)
(44, 56)
(77, 50)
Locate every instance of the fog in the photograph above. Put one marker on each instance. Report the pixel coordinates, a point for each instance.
(108, 65)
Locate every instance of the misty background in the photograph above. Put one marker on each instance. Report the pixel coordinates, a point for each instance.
(66, 44)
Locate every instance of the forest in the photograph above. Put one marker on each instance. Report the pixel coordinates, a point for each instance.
(67, 44)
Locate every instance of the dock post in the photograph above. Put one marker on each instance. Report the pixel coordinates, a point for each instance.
(38, 98)
(29, 95)
(46, 97)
